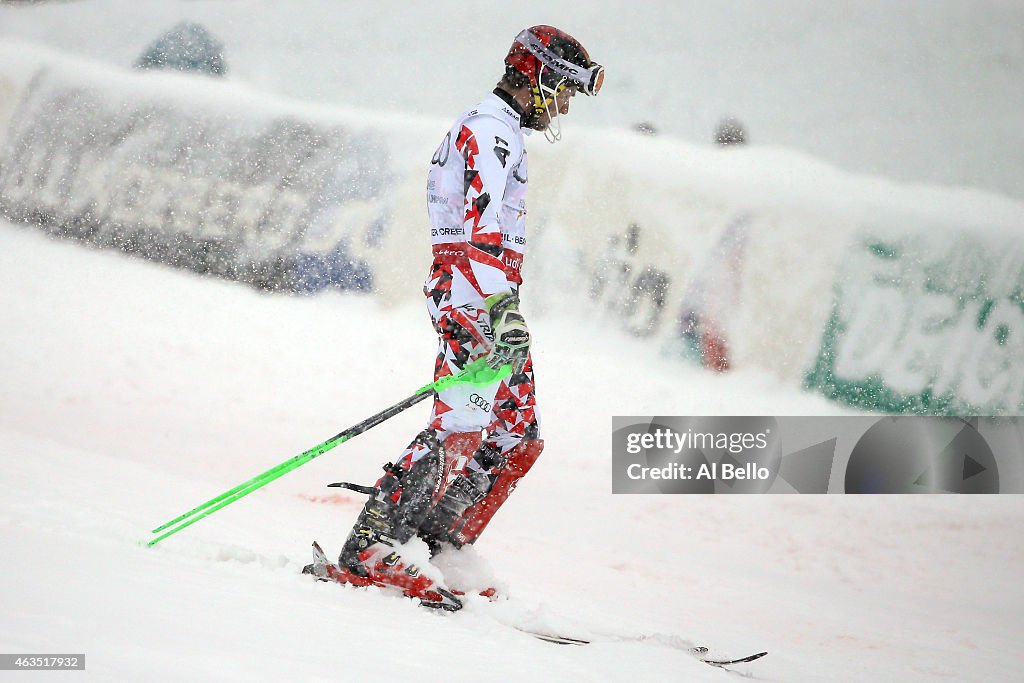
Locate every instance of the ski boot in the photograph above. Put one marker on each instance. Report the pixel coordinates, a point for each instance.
(469, 504)
(390, 518)
(468, 488)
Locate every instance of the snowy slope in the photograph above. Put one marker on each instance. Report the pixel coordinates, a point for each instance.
(131, 393)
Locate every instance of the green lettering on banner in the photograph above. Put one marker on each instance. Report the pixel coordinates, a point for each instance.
(927, 324)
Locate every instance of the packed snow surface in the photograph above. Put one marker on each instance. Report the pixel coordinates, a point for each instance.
(132, 392)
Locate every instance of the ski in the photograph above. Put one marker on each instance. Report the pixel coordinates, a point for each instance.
(323, 569)
(739, 660)
(698, 652)
(553, 638)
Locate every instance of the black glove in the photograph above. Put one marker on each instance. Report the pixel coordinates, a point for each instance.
(511, 337)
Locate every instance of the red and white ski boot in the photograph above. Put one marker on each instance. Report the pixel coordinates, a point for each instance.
(385, 570)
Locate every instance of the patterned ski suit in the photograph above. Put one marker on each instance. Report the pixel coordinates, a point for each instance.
(476, 199)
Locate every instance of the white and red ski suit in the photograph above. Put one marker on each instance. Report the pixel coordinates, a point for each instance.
(476, 199)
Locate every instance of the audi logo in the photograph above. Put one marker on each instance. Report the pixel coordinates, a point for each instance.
(479, 401)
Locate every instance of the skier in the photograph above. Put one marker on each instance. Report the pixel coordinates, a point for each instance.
(480, 440)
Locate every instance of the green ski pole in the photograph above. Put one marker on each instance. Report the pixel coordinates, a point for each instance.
(475, 373)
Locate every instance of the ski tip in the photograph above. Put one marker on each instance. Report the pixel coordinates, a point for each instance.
(319, 556)
(553, 637)
(739, 660)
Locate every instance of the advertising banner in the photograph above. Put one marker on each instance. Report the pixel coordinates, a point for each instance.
(927, 326)
(253, 197)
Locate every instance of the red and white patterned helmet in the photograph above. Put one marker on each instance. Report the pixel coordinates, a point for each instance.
(549, 57)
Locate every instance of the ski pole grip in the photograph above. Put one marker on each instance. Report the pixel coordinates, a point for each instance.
(477, 373)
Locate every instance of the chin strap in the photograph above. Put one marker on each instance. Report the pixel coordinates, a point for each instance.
(544, 102)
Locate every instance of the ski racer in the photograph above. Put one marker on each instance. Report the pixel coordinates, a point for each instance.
(479, 440)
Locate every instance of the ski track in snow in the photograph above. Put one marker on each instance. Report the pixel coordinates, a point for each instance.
(133, 392)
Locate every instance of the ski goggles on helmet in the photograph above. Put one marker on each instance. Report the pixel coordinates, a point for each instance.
(587, 79)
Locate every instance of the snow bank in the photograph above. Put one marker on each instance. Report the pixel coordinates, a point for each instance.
(730, 257)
